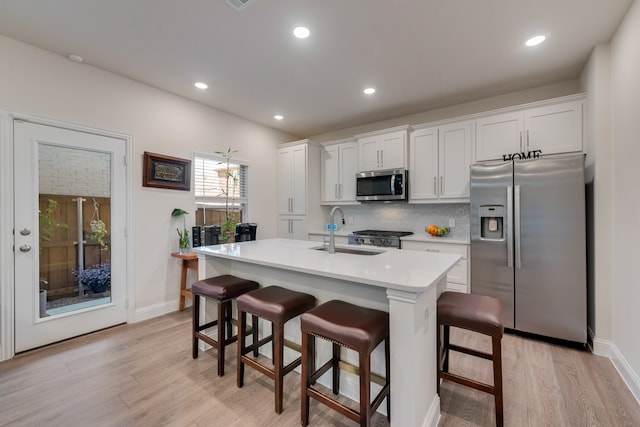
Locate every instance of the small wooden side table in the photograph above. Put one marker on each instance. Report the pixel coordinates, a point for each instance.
(189, 262)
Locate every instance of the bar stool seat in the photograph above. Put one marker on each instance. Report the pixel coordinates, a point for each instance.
(345, 325)
(276, 305)
(477, 313)
(221, 289)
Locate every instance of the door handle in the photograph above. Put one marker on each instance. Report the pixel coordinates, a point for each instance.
(25, 232)
(25, 248)
(509, 219)
(516, 223)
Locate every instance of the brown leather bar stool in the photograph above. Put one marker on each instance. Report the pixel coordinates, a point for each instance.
(221, 289)
(358, 328)
(477, 313)
(277, 305)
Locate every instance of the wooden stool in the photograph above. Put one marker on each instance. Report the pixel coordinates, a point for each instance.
(358, 328)
(477, 313)
(189, 262)
(221, 289)
(277, 305)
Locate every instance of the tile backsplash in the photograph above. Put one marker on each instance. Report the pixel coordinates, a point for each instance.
(400, 216)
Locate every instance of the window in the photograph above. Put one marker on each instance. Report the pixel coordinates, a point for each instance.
(215, 179)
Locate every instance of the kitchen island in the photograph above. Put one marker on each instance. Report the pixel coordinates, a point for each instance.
(404, 283)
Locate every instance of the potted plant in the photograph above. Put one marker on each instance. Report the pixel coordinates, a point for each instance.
(98, 227)
(183, 236)
(228, 226)
(98, 277)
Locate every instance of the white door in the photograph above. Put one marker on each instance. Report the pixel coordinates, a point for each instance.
(56, 172)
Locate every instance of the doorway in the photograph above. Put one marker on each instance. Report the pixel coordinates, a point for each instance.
(70, 213)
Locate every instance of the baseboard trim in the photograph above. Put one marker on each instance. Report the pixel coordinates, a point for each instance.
(155, 310)
(433, 416)
(629, 376)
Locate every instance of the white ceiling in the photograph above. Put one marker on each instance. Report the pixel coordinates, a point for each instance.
(419, 54)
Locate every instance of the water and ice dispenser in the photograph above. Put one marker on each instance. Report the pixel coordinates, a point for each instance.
(492, 222)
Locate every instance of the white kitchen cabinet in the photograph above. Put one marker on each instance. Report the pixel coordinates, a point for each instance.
(458, 277)
(439, 163)
(553, 128)
(292, 227)
(298, 174)
(386, 149)
(292, 179)
(339, 164)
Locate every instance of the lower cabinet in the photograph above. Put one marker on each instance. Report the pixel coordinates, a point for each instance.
(292, 227)
(458, 276)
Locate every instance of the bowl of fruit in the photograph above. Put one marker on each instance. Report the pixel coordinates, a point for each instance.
(436, 231)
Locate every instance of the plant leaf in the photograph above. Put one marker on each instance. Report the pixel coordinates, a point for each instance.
(179, 212)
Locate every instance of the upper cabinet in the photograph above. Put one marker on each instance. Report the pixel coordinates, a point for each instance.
(339, 165)
(439, 163)
(554, 128)
(292, 180)
(385, 149)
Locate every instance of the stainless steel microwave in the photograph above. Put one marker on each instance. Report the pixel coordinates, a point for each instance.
(381, 185)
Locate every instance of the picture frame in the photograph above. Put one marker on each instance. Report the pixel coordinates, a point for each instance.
(168, 172)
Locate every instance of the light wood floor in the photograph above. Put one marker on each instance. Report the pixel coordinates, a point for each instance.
(143, 375)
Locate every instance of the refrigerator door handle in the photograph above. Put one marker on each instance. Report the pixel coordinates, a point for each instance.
(516, 224)
(509, 226)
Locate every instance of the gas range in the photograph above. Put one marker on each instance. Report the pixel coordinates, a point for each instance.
(384, 238)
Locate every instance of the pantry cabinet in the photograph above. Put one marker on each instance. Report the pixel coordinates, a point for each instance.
(298, 174)
(551, 129)
(458, 278)
(440, 158)
(380, 150)
(339, 165)
(292, 227)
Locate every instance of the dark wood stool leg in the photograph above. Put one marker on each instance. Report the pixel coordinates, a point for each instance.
(254, 334)
(445, 362)
(365, 389)
(387, 366)
(305, 377)
(228, 318)
(438, 356)
(242, 320)
(278, 342)
(335, 367)
(196, 320)
(221, 344)
(497, 379)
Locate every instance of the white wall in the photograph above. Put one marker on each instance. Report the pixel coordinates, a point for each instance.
(40, 83)
(625, 101)
(568, 87)
(596, 82)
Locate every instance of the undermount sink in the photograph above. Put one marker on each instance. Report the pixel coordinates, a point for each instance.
(354, 251)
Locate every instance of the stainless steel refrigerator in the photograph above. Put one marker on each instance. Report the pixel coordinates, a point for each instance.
(528, 243)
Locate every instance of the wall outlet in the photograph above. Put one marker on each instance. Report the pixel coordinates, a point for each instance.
(452, 222)
(350, 220)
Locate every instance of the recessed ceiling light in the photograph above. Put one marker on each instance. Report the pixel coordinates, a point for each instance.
(301, 32)
(74, 58)
(278, 117)
(201, 85)
(534, 41)
(369, 91)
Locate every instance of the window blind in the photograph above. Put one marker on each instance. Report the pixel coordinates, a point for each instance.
(210, 181)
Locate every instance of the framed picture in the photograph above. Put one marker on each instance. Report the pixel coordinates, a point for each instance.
(166, 172)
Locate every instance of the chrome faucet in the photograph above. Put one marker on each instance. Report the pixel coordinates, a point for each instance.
(332, 239)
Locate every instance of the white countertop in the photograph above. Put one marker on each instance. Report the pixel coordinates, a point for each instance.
(412, 271)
